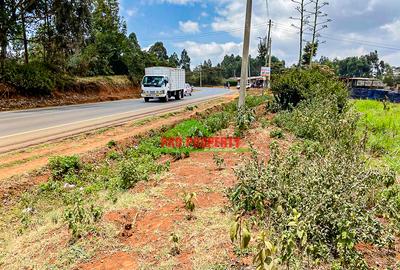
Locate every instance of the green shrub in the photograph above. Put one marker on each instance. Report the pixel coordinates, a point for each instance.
(61, 166)
(81, 218)
(276, 133)
(217, 121)
(295, 85)
(189, 128)
(320, 120)
(245, 116)
(135, 169)
(32, 79)
(334, 198)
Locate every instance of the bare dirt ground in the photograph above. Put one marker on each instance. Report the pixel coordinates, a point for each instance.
(204, 235)
(17, 168)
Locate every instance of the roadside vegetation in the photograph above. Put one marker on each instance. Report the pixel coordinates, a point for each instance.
(78, 193)
(316, 201)
(313, 205)
(381, 121)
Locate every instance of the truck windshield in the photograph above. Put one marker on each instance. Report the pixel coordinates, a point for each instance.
(153, 81)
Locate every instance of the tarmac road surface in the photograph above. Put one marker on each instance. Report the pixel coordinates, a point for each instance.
(19, 129)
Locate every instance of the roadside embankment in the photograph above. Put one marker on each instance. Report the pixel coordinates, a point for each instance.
(82, 90)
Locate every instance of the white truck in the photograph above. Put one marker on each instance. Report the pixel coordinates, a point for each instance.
(163, 83)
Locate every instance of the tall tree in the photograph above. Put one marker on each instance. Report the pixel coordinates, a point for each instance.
(160, 51)
(303, 20)
(310, 51)
(174, 60)
(318, 23)
(185, 60)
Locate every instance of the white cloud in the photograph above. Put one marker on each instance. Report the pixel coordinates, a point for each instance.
(189, 27)
(131, 12)
(204, 14)
(393, 29)
(214, 51)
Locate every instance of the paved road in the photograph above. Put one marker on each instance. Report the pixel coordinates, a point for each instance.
(19, 129)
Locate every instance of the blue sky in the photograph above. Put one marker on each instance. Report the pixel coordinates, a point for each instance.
(209, 29)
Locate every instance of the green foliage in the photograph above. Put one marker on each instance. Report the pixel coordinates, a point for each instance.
(217, 121)
(111, 144)
(62, 166)
(189, 128)
(383, 129)
(320, 120)
(135, 169)
(80, 217)
(276, 133)
(219, 161)
(244, 118)
(296, 85)
(188, 200)
(323, 189)
(30, 79)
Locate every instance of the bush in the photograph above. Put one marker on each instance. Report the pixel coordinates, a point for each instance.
(334, 198)
(30, 79)
(64, 165)
(135, 169)
(295, 85)
(320, 120)
(217, 121)
(277, 133)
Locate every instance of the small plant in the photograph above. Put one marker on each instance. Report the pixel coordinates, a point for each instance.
(113, 155)
(219, 161)
(60, 166)
(175, 250)
(244, 118)
(191, 107)
(81, 218)
(267, 254)
(277, 133)
(111, 144)
(240, 232)
(188, 200)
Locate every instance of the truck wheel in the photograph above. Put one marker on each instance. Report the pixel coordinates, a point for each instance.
(165, 99)
(146, 99)
(182, 93)
(177, 95)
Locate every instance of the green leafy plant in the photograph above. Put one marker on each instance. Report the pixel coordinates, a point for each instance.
(276, 133)
(219, 161)
(175, 250)
(111, 144)
(80, 217)
(61, 166)
(266, 257)
(188, 201)
(240, 232)
(244, 118)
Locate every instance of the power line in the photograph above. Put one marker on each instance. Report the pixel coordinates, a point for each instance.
(349, 40)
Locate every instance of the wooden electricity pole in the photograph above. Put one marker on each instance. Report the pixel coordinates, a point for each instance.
(245, 55)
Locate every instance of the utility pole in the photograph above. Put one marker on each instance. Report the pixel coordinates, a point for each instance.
(245, 55)
(268, 54)
(201, 82)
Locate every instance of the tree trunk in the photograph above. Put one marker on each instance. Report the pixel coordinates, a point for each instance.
(25, 40)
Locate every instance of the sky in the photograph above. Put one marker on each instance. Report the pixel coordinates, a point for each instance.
(210, 29)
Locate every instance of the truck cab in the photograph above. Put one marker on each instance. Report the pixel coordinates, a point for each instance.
(163, 83)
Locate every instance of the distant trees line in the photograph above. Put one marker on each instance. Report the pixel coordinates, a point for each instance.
(45, 43)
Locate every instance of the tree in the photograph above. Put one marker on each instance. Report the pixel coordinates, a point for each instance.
(159, 51)
(316, 27)
(309, 49)
(185, 60)
(174, 60)
(303, 20)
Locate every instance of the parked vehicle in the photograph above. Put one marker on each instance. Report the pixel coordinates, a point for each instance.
(188, 89)
(163, 83)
